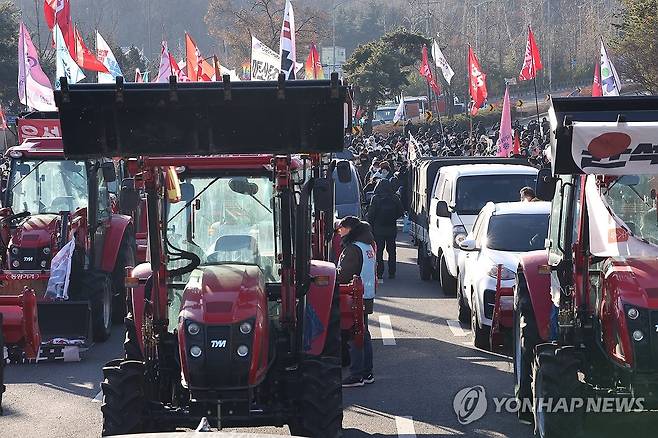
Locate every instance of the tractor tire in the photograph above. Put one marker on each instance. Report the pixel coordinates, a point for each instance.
(333, 342)
(125, 257)
(480, 334)
(321, 403)
(131, 343)
(424, 263)
(463, 312)
(123, 397)
(526, 338)
(97, 288)
(555, 376)
(2, 364)
(448, 282)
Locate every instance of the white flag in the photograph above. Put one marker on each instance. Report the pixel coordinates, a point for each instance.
(165, 65)
(64, 64)
(34, 89)
(399, 112)
(105, 55)
(610, 82)
(287, 43)
(441, 62)
(265, 62)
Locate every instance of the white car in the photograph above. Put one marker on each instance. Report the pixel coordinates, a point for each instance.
(459, 194)
(501, 233)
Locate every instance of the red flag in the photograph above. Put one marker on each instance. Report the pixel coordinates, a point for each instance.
(179, 72)
(597, 89)
(193, 59)
(517, 144)
(58, 12)
(313, 66)
(477, 82)
(532, 61)
(3, 119)
(426, 72)
(85, 58)
(50, 10)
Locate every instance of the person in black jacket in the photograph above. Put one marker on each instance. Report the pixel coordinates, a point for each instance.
(384, 211)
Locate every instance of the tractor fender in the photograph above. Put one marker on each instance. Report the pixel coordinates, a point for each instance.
(143, 273)
(318, 306)
(113, 237)
(539, 288)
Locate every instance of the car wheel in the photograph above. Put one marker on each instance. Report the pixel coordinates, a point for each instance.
(480, 332)
(448, 282)
(463, 312)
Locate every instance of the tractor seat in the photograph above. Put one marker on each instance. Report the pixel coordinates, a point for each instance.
(62, 203)
(241, 248)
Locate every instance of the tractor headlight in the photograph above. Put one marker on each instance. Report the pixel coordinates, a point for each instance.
(46, 250)
(245, 328)
(195, 351)
(15, 264)
(243, 350)
(44, 263)
(505, 274)
(633, 313)
(193, 329)
(638, 335)
(14, 250)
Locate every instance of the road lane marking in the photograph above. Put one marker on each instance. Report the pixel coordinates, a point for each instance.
(456, 328)
(386, 329)
(98, 398)
(471, 358)
(405, 427)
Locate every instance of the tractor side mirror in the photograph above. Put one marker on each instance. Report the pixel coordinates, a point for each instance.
(344, 171)
(109, 172)
(322, 194)
(129, 198)
(243, 186)
(442, 209)
(187, 192)
(545, 187)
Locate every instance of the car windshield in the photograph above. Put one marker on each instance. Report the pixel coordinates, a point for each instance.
(47, 186)
(517, 232)
(632, 200)
(473, 192)
(225, 220)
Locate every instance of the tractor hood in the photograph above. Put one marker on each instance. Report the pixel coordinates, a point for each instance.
(633, 280)
(36, 231)
(224, 294)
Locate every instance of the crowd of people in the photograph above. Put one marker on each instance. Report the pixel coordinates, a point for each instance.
(382, 162)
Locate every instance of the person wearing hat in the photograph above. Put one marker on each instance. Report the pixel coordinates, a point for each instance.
(358, 258)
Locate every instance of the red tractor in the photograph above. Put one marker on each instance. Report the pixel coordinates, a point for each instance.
(586, 308)
(232, 319)
(48, 201)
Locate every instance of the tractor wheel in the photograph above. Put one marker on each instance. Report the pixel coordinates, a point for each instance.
(424, 263)
(555, 376)
(526, 337)
(464, 314)
(123, 397)
(2, 363)
(320, 406)
(125, 257)
(97, 286)
(480, 333)
(131, 343)
(333, 342)
(448, 282)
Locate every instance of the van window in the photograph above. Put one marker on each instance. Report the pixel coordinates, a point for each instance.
(473, 192)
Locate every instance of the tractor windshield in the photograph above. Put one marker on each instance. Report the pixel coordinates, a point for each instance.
(226, 220)
(47, 186)
(633, 199)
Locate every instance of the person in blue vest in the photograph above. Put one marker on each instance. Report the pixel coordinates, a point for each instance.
(359, 258)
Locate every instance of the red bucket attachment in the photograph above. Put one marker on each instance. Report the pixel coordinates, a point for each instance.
(20, 323)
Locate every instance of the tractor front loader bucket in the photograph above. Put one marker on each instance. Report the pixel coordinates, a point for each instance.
(65, 321)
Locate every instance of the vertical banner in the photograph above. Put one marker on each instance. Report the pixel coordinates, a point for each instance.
(265, 62)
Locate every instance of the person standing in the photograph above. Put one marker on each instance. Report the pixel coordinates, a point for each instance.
(384, 211)
(358, 258)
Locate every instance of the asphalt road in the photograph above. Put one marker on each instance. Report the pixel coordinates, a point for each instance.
(423, 358)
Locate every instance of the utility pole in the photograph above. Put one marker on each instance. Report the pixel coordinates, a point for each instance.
(36, 9)
(550, 48)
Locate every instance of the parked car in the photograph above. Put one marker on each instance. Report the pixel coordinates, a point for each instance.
(501, 234)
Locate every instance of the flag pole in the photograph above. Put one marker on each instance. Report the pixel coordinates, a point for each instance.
(534, 79)
(438, 111)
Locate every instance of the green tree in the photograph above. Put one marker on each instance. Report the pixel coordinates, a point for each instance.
(9, 16)
(381, 68)
(636, 43)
